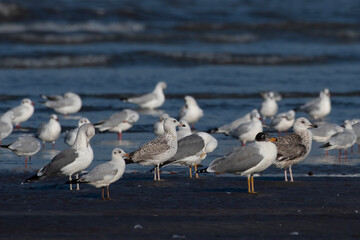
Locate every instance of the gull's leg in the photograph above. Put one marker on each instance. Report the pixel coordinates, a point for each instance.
(197, 175)
(158, 170)
(190, 171)
(339, 155)
(345, 154)
(26, 158)
(43, 146)
(119, 135)
(252, 184)
(77, 184)
(102, 195)
(285, 175)
(291, 176)
(249, 191)
(108, 194)
(70, 182)
(53, 143)
(155, 172)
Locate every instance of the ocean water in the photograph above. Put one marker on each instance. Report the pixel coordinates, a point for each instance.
(224, 53)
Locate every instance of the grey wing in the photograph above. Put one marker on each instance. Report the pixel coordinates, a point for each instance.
(341, 138)
(71, 135)
(276, 121)
(25, 144)
(40, 129)
(52, 97)
(5, 128)
(243, 128)
(142, 99)
(311, 105)
(115, 119)
(182, 111)
(150, 150)
(17, 110)
(189, 146)
(105, 171)
(61, 160)
(290, 147)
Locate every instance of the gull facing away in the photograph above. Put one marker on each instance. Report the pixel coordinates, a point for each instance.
(67, 104)
(105, 174)
(72, 160)
(6, 126)
(246, 132)
(190, 112)
(119, 122)
(341, 140)
(318, 108)
(151, 100)
(283, 121)
(22, 112)
(24, 146)
(269, 106)
(159, 125)
(158, 150)
(294, 148)
(245, 161)
(50, 131)
(228, 128)
(71, 135)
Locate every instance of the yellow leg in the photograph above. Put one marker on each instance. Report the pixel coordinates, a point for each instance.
(252, 185)
(249, 190)
(190, 171)
(197, 175)
(155, 172)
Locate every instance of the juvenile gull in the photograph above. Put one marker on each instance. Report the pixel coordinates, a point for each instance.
(294, 148)
(190, 112)
(269, 106)
(6, 126)
(158, 150)
(159, 125)
(283, 121)
(67, 104)
(246, 132)
(71, 160)
(119, 122)
(50, 131)
(151, 100)
(318, 108)
(245, 161)
(24, 146)
(184, 130)
(105, 174)
(341, 140)
(71, 135)
(23, 112)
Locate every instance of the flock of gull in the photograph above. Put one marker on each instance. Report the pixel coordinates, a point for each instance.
(177, 143)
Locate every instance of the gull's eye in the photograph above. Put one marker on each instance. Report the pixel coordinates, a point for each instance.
(114, 152)
(174, 121)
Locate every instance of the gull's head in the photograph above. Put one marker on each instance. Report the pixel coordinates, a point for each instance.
(163, 117)
(119, 153)
(264, 137)
(303, 124)
(83, 121)
(189, 100)
(290, 115)
(325, 92)
(347, 124)
(27, 101)
(255, 114)
(133, 116)
(54, 117)
(71, 95)
(162, 85)
(171, 123)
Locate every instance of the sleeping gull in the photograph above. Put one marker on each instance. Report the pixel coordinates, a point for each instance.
(67, 104)
(157, 150)
(105, 174)
(159, 125)
(71, 135)
(319, 107)
(245, 161)
(228, 128)
(190, 112)
(71, 160)
(269, 106)
(151, 100)
(341, 140)
(6, 126)
(294, 148)
(184, 130)
(246, 132)
(192, 150)
(119, 122)
(23, 112)
(50, 131)
(24, 146)
(283, 121)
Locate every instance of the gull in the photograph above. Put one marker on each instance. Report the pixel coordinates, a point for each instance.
(72, 160)
(228, 128)
(119, 122)
(6, 126)
(325, 130)
(67, 104)
(24, 146)
(341, 140)
(276, 95)
(294, 148)
(151, 100)
(71, 135)
(269, 107)
(184, 130)
(192, 150)
(50, 131)
(246, 132)
(22, 112)
(245, 161)
(105, 174)
(283, 121)
(158, 150)
(318, 108)
(356, 128)
(159, 125)
(190, 112)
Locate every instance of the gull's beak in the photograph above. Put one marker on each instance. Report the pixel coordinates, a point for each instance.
(273, 139)
(314, 125)
(260, 118)
(181, 124)
(32, 103)
(343, 126)
(127, 155)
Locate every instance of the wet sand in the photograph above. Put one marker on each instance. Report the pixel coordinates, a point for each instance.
(212, 207)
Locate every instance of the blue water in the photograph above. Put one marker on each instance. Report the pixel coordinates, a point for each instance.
(222, 53)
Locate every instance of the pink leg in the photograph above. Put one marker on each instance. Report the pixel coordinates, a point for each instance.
(18, 126)
(345, 154)
(119, 136)
(326, 153)
(53, 145)
(339, 155)
(26, 158)
(43, 146)
(279, 133)
(242, 144)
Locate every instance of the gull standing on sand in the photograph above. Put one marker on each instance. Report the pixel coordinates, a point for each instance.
(119, 122)
(24, 146)
(67, 104)
(151, 100)
(6, 126)
(341, 140)
(228, 128)
(71, 135)
(72, 160)
(157, 150)
(269, 106)
(105, 174)
(294, 148)
(50, 131)
(190, 112)
(283, 121)
(318, 108)
(245, 161)
(22, 112)
(159, 125)
(246, 132)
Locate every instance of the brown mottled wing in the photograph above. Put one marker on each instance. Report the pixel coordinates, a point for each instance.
(150, 150)
(289, 147)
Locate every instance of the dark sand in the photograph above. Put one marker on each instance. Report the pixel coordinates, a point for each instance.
(213, 207)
